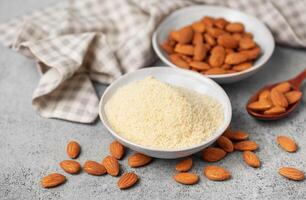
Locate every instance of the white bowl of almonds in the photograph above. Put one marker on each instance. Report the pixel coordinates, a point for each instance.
(221, 43)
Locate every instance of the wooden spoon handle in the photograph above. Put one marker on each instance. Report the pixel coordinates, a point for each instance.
(296, 81)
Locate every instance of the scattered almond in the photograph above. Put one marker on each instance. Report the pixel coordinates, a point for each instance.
(246, 146)
(216, 173)
(127, 180)
(186, 178)
(52, 180)
(94, 168)
(73, 149)
(184, 165)
(235, 135)
(292, 173)
(251, 159)
(139, 160)
(70, 166)
(287, 143)
(213, 154)
(116, 149)
(226, 144)
(111, 165)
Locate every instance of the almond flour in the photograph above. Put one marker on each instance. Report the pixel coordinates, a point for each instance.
(159, 115)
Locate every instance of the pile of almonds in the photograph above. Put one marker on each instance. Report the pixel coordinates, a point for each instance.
(212, 46)
(229, 142)
(276, 100)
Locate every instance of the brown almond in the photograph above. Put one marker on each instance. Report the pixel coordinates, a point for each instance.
(139, 160)
(246, 43)
(292, 173)
(278, 98)
(227, 41)
(283, 87)
(208, 21)
(184, 165)
(197, 38)
(127, 180)
(262, 105)
(116, 149)
(200, 52)
(73, 149)
(264, 95)
(52, 180)
(167, 47)
(185, 35)
(213, 154)
(237, 36)
(226, 66)
(94, 168)
(242, 66)
(217, 56)
(70, 166)
(186, 178)
(287, 143)
(210, 40)
(275, 110)
(236, 135)
(293, 96)
(178, 61)
(199, 65)
(216, 173)
(215, 32)
(220, 23)
(235, 58)
(235, 27)
(226, 144)
(198, 27)
(246, 146)
(215, 71)
(185, 49)
(188, 59)
(251, 159)
(251, 54)
(111, 165)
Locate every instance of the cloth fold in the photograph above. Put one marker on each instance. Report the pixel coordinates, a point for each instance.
(79, 41)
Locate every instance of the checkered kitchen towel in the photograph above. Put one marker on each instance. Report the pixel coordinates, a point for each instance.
(80, 41)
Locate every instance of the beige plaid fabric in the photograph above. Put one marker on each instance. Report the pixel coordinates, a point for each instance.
(80, 41)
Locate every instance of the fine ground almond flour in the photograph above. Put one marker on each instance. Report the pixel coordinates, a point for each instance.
(159, 115)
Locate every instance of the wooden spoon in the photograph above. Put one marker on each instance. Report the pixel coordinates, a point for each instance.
(295, 82)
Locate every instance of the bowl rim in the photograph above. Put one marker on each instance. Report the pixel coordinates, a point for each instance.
(209, 140)
(174, 14)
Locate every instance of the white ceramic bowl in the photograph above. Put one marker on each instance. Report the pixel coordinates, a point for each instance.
(186, 16)
(179, 77)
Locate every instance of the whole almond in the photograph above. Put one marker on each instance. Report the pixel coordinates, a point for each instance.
(199, 65)
(197, 38)
(251, 54)
(227, 41)
(226, 144)
(200, 52)
(220, 23)
(127, 180)
(235, 58)
(210, 40)
(251, 159)
(138, 160)
(70, 166)
(217, 56)
(242, 66)
(178, 61)
(235, 27)
(246, 146)
(184, 165)
(73, 149)
(116, 149)
(275, 110)
(208, 21)
(198, 27)
(167, 47)
(94, 168)
(292, 173)
(186, 178)
(283, 87)
(111, 165)
(185, 49)
(293, 96)
(264, 95)
(236, 135)
(261, 105)
(216, 173)
(52, 180)
(215, 32)
(215, 71)
(286, 143)
(213, 154)
(278, 98)
(185, 35)
(246, 43)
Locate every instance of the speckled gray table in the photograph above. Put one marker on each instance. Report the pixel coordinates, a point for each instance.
(31, 146)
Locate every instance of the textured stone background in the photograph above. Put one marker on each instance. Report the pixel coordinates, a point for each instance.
(31, 146)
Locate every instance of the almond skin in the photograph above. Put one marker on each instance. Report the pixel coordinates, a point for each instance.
(275, 110)
(293, 96)
(94, 168)
(226, 144)
(213, 154)
(251, 159)
(292, 173)
(184, 165)
(116, 149)
(73, 149)
(186, 178)
(235, 135)
(278, 98)
(217, 56)
(52, 180)
(139, 160)
(216, 173)
(70, 166)
(287, 143)
(283, 87)
(246, 146)
(111, 165)
(127, 180)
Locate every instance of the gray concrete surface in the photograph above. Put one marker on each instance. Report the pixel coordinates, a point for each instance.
(31, 146)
